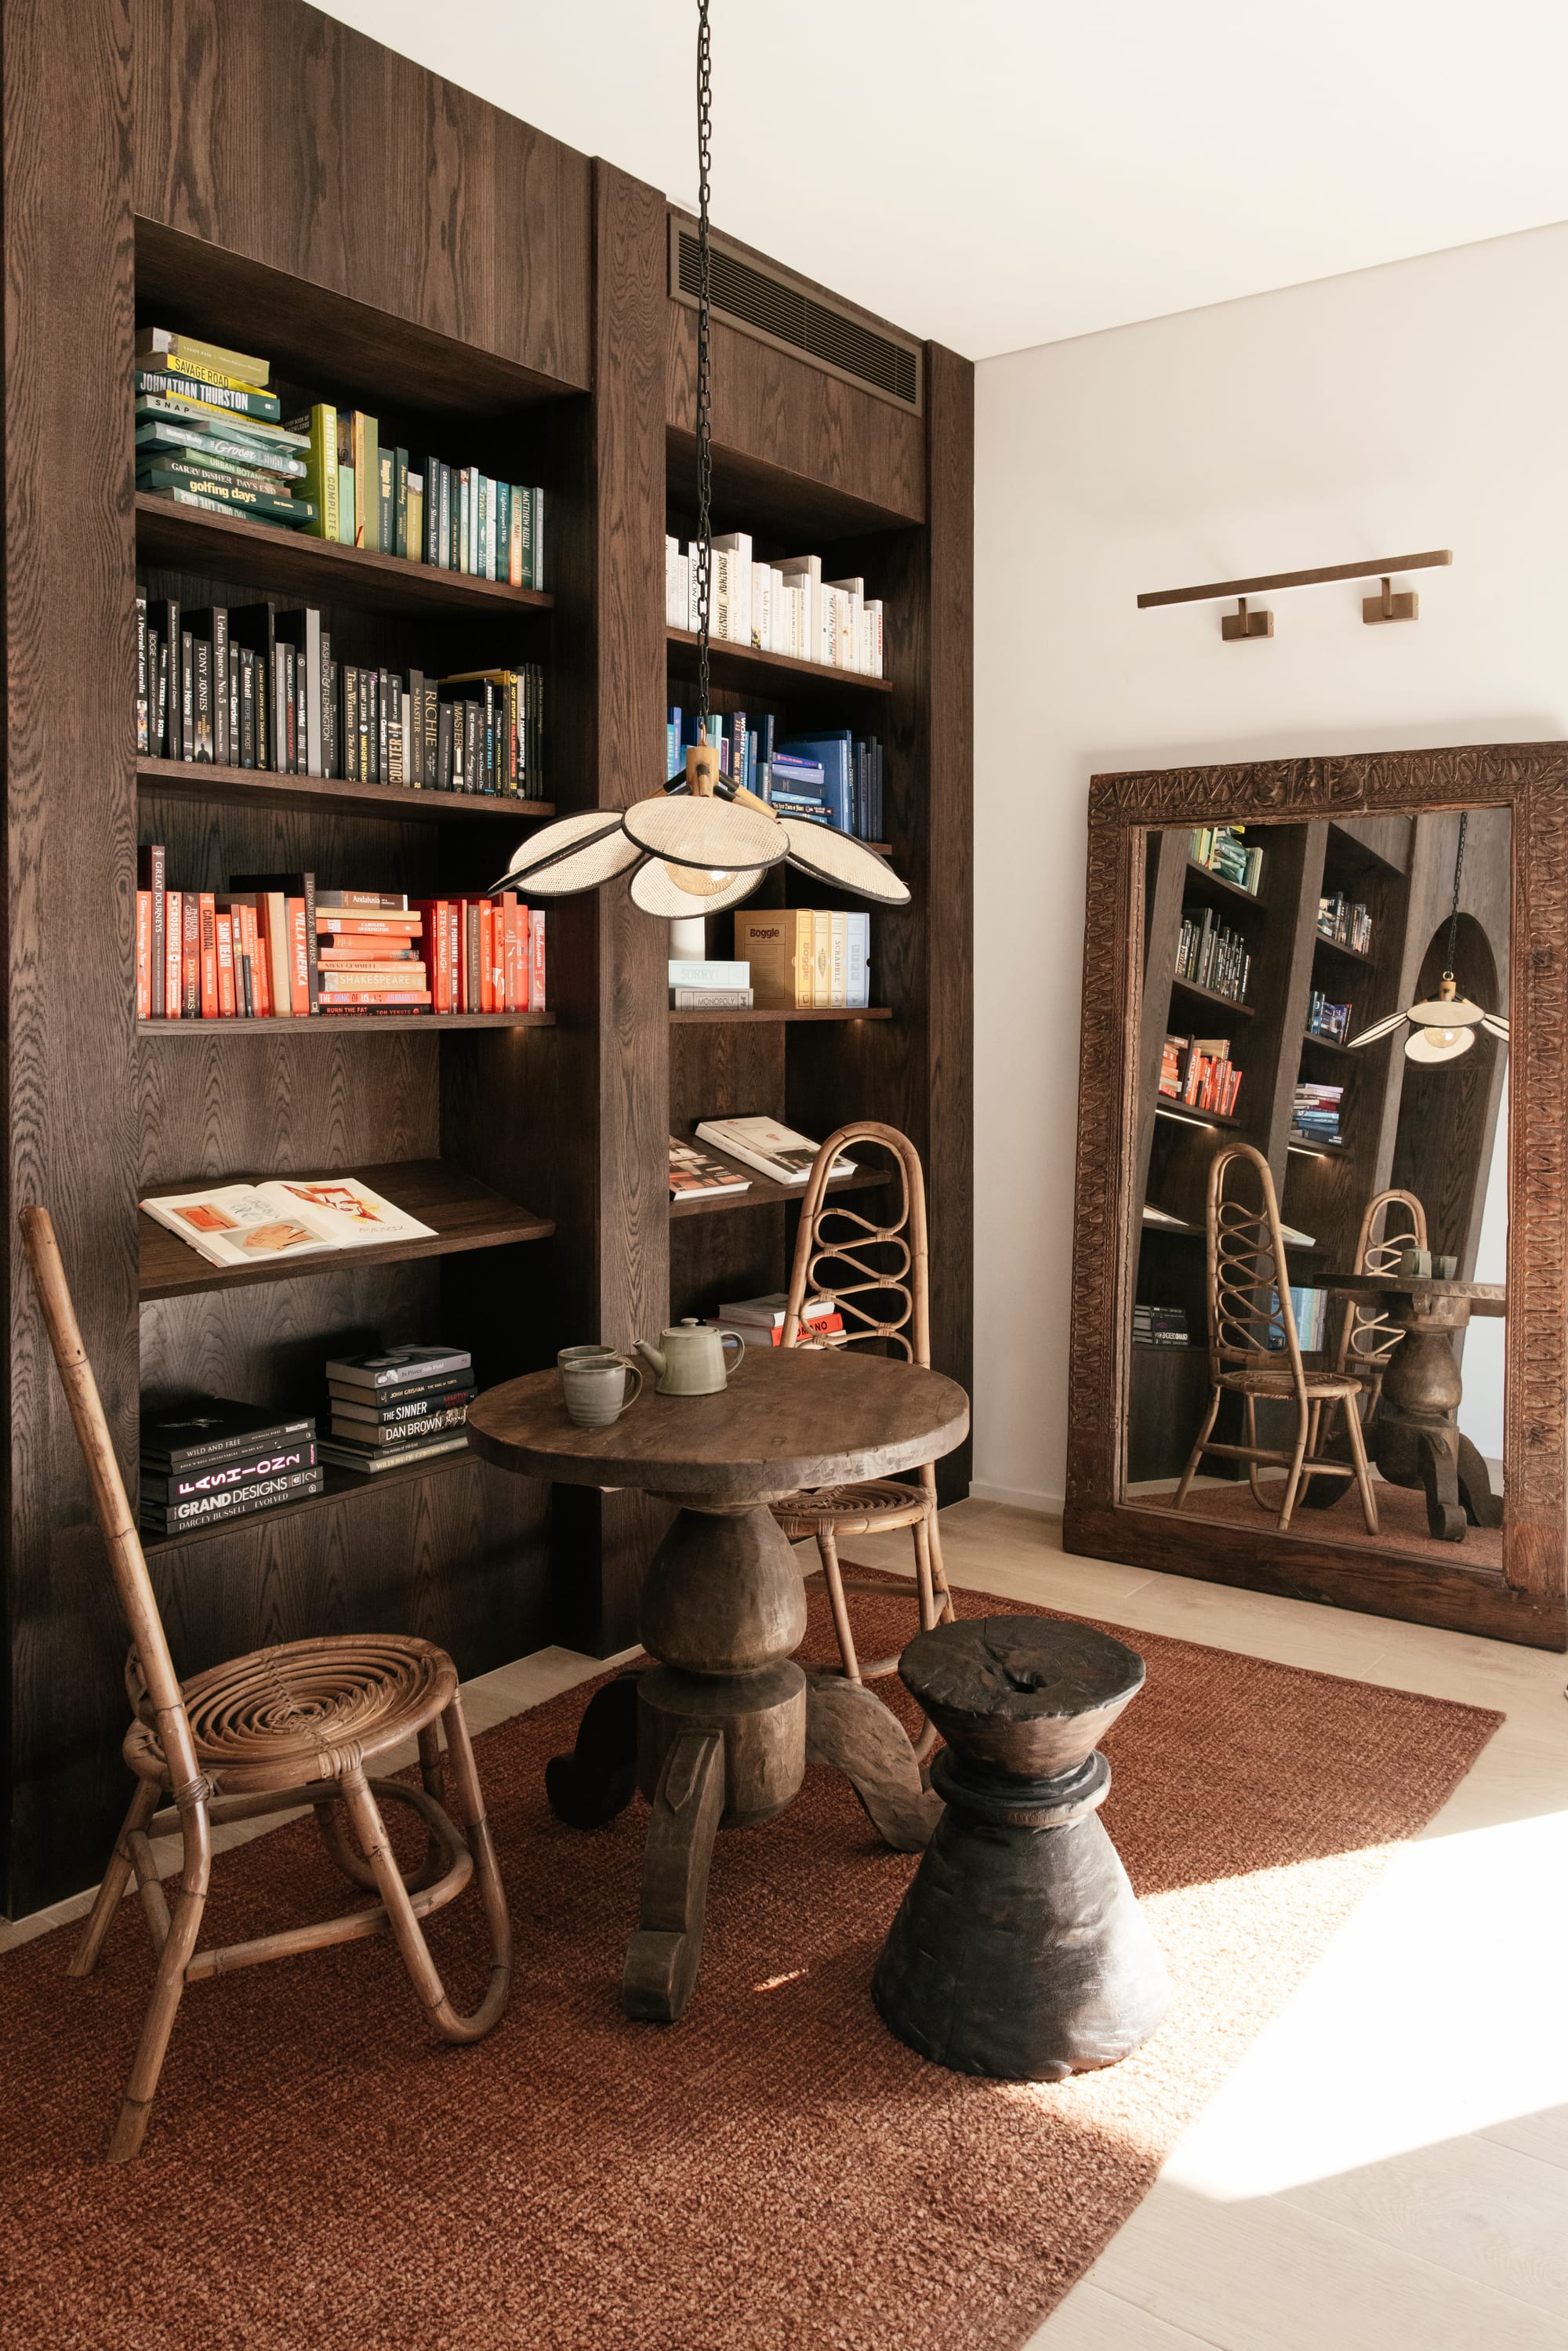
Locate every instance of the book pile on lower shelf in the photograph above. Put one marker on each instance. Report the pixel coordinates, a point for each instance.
(1314, 1114)
(832, 779)
(205, 1463)
(709, 985)
(760, 1321)
(1326, 1019)
(275, 948)
(209, 434)
(805, 958)
(1198, 1072)
(392, 1410)
(256, 685)
(1221, 848)
(776, 608)
(1346, 924)
(1160, 1326)
(1210, 956)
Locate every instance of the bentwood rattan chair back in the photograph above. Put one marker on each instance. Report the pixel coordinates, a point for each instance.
(875, 1274)
(1391, 1223)
(1254, 1351)
(284, 1727)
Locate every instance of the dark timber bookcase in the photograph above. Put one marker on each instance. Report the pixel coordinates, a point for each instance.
(258, 172)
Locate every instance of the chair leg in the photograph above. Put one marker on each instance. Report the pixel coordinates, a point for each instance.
(929, 1612)
(1255, 1484)
(169, 1983)
(1190, 1472)
(116, 1879)
(938, 1572)
(834, 1580)
(1358, 1455)
(1294, 1477)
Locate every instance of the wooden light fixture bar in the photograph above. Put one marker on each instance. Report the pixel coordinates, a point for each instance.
(1242, 623)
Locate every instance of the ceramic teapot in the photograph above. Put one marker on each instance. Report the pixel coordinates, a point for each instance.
(690, 1360)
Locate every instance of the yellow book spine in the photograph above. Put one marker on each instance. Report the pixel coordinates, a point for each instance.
(199, 371)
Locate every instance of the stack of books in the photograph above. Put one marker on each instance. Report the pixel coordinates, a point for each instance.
(709, 985)
(1211, 956)
(407, 1405)
(807, 958)
(1326, 1019)
(1160, 1326)
(760, 1321)
(250, 685)
(1198, 1072)
(208, 433)
(776, 608)
(204, 1464)
(1221, 848)
(834, 779)
(1315, 1113)
(1348, 925)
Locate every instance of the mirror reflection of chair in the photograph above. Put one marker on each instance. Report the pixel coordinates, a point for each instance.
(1253, 1348)
(1391, 1223)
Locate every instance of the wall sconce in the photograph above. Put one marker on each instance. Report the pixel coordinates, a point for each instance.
(1235, 627)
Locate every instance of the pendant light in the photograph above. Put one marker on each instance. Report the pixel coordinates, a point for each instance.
(704, 843)
(1444, 1025)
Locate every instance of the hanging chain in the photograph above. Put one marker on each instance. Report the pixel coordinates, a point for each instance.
(704, 379)
(1459, 872)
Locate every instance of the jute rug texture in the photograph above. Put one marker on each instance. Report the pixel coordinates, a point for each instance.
(776, 2173)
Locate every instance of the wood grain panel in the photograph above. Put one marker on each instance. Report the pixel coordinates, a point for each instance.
(289, 138)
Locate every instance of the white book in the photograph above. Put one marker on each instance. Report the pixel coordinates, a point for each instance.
(805, 571)
(851, 624)
(675, 596)
(873, 638)
(775, 1151)
(261, 1224)
(761, 607)
(736, 545)
(857, 960)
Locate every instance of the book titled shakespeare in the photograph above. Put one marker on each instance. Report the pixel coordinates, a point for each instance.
(291, 1217)
(775, 1151)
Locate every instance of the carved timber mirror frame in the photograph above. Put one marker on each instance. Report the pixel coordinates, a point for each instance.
(1523, 1601)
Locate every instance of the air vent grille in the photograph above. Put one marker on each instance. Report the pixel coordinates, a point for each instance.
(783, 313)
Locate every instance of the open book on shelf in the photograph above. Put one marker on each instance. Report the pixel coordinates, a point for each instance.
(252, 1224)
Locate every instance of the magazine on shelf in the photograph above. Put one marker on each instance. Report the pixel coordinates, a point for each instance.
(258, 1224)
(775, 1151)
(694, 1172)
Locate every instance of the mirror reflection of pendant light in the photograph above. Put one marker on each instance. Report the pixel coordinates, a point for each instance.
(704, 842)
(1444, 1025)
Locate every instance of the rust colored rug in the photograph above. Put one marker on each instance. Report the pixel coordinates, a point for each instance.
(776, 2173)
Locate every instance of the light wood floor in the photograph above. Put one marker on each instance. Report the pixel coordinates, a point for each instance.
(1388, 2169)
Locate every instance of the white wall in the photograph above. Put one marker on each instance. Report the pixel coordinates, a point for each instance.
(1421, 405)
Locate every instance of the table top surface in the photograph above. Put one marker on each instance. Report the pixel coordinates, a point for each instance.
(1481, 1297)
(789, 1417)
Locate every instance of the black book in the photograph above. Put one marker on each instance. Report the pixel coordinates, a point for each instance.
(398, 1367)
(348, 720)
(445, 781)
(247, 661)
(414, 740)
(292, 762)
(187, 697)
(213, 1510)
(202, 697)
(372, 1437)
(255, 626)
(383, 725)
(209, 624)
(394, 1407)
(331, 687)
(212, 1430)
(162, 738)
(163, 622)
(473, 780)
(247, 1467)
(370, 728)
(143, 697)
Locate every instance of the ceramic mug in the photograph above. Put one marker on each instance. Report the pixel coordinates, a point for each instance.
(1445, 1269)
(1416, 1264)
(594, 1386)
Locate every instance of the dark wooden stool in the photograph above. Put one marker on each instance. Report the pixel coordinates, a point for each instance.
(1019, 1949)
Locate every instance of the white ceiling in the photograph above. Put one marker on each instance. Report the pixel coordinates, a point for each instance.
(996, 173)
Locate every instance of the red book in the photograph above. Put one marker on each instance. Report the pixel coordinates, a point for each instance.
(298, 959)
(250, 948)
(191, 955)
(536, 960)
(454, 951)
(333, 999)
(144, 955)
(372, 926)
(209, 922)
(506, 906)
(435, 949)
(173, 954)
(223, 925)
(464, 964)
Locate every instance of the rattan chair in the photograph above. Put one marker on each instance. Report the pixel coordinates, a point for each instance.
(1391, 1223)
(1254, 1349)
(284, 1727)
(881, 1287)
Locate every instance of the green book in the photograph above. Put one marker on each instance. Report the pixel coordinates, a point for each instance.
(538, 498)
(210, 420)
(345, 504)
(222, 481)
(202, 461)
(400, 503)
(320, 426)
(198, 395)
(525, 551)
(386, 499)
(516, 502)
(244, 453)
(278, 510)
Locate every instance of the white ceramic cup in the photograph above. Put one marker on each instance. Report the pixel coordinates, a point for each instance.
(594, 1384)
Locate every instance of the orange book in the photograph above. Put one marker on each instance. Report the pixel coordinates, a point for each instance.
(144, 955)
(208, 937)
(436, 948)
(507, 908)
(223, 925)
(298, 959)
(173, 953)
(372, 926)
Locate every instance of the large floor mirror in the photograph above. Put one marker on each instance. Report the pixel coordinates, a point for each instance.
(1300, 1306)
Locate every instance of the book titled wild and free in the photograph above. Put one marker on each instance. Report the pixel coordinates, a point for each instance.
(290, 1216)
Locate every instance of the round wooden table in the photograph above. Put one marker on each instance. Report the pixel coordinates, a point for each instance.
(1415, 1438)
(723, 1727)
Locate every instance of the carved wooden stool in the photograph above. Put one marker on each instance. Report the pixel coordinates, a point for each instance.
(1019, 1949)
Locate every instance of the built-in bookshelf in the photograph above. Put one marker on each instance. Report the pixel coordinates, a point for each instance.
(547, 350)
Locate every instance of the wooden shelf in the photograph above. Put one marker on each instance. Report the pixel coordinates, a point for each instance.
(742, 666)
(1351, 954)
(813, 1012)
(340, 1486)
(1329, 1044)
(765, 1194)
(1213, 996)
(466, 1214)
(1153, 1224)
(325, 1024)
(290, 563)
(1188, 1114)
(1206, 875)
(1313, 1143)
(329, 795)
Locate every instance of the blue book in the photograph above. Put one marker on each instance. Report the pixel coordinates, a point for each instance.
(834, 752)
(674, 761)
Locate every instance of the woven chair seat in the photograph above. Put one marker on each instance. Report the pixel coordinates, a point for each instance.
(1319, 1384)
(306, 1711)
(877, 1507)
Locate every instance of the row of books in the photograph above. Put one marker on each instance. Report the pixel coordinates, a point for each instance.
(1349, 926)
(210, 433)
(403, 1405)
(832, 779)
(1212, 956)
(1326, 1019)
(1221, 848)
(805, 958)
(785, 607)
(272, 946)
(1160, 1326)
(1198, 1072)
(250, 685)
(1315, 1112)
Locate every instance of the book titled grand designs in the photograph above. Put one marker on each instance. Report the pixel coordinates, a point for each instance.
(293, 1215)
